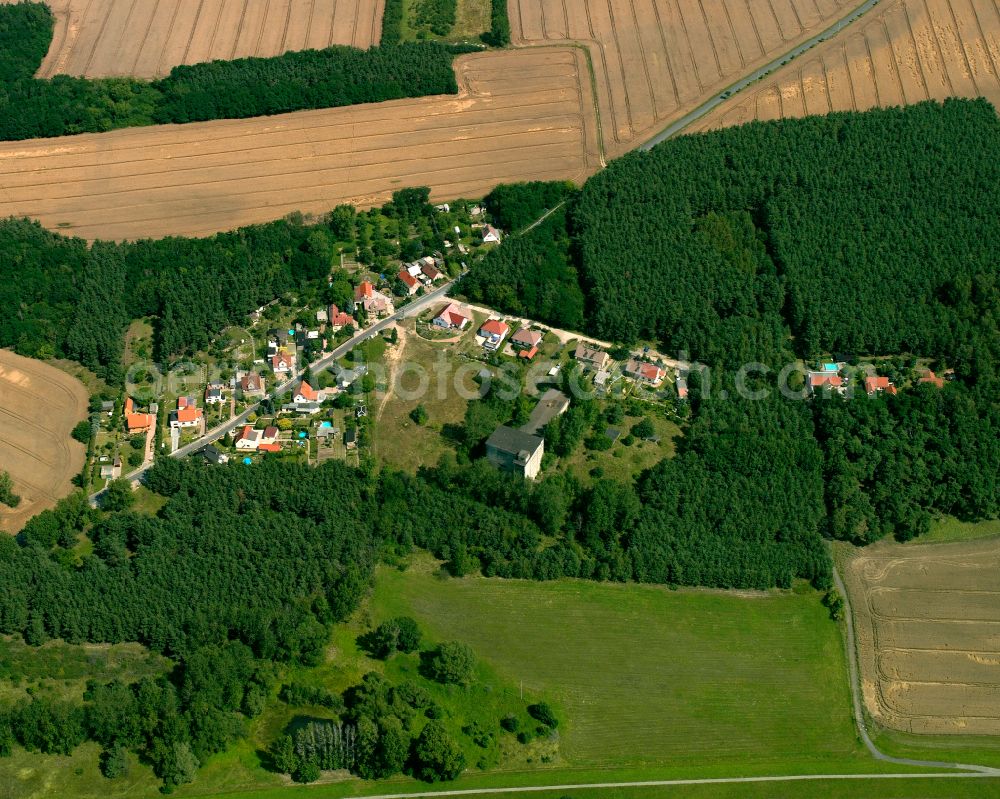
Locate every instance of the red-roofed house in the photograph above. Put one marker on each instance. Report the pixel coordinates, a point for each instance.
(408, 280)
(139, 422)
(248, 438)
(493, 332)
(644, 372)
(269, 447)
(337, 319)
(491, 235)
(282, 363)
(252, 385)
(453, 316)
(306, 393)
(820, 380)
(528, 354)
(933, 379)
(364, 291)
(186, 415)
(873, 385)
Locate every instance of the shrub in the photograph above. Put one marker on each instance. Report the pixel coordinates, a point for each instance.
(543, 713)
(452, 662)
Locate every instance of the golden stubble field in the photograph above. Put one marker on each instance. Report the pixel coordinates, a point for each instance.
(655, 60)
(147, 38)
(39, 405)
(928, 624)
(518, 116)
(901, 52)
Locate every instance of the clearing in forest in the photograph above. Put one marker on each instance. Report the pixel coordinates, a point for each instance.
(901, 52)
(147, 38)
(39, 405)
(656, 60)
(928, 628)
(518, 116)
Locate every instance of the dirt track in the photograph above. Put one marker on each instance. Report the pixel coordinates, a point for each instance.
(654, 60)
(928, 624)
(39, 405)
(146, 38)
(519, 116)
(904, 51)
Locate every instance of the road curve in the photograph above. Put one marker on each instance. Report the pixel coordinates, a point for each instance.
(676, 127)
(218, 432)
(859, 717)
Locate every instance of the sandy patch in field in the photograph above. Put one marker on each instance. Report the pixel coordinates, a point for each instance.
(39, 405)
(518, 116)
(901, 52)
(928, 624)
(147, 38)
(655, 60)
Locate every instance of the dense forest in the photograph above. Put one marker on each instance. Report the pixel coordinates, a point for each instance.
(246, 87)
(871, 233)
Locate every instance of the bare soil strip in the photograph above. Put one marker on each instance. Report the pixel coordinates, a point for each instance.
(928, 628)
(147, 38)
(904, 51)
(519, 116)
(39, 405)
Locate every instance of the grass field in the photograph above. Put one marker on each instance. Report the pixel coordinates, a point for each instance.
(648, 676)
(622, 462)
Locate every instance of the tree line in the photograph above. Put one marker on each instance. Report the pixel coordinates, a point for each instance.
(246, 87)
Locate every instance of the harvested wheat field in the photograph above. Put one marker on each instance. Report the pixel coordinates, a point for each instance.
(902, 52)
(147, 38)
(39, 405)
(518, 116)
(655, 60)
(928, 627)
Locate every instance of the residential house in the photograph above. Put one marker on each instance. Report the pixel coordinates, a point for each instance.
(515, 451)
(431, 272)
(453, 316)
(490, 235)
(817, 381)
(527, 354)
(269, 446)
(282, 363)
(113, 470)
(591, 357)
(213, 455)
(930, 377)
(186, 415)
(525, 339)
(214, 394)
(409, 281)
(337, 319)
(306, 393)
(322, 315)
(136, 422)
(493, 333)
(682, 386)
(643, 372)
(552, 404)
(374, 302)
(251, 385)
(248, 438)
(873, 385)
(351, 438)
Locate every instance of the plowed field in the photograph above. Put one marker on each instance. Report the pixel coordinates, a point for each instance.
(146, 38)
(39, 405)
(928, 624)
(519, 116)
(655, 60)
(903, 51)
